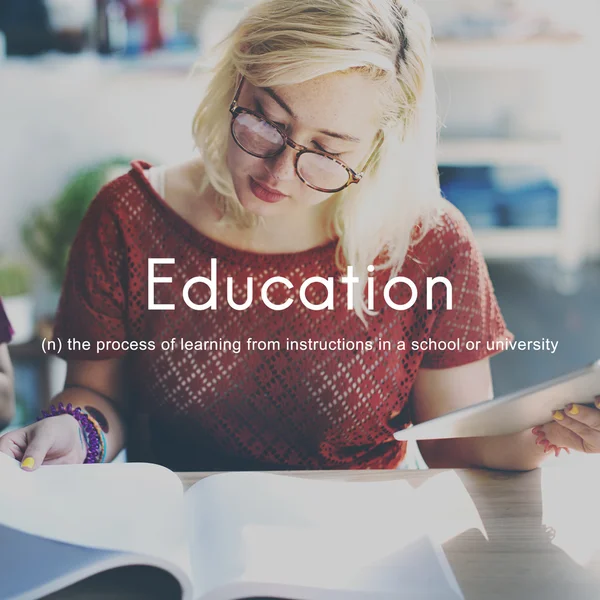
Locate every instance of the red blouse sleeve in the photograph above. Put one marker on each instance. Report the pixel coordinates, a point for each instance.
(475, 315)
(6, 331)
(92, 306)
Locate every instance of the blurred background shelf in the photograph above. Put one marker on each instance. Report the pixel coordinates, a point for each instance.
(537, 53)
(501, 143)
(517, 242)
(498, 151)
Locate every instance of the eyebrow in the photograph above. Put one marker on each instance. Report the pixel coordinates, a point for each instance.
(279, 100)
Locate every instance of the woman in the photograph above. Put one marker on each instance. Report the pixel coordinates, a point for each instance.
(317, 142)
(7, 396)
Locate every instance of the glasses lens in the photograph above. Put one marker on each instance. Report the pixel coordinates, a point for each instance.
(256, 136)
(322, 172)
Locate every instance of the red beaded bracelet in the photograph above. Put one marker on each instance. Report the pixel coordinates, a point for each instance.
(95, 447)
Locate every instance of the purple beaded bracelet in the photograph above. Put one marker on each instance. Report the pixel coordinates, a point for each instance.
(93, 442)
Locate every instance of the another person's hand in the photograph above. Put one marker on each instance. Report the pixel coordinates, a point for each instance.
(7, 387)
(53, 441)
(576, 428)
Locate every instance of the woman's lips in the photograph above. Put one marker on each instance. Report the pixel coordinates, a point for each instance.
(265, 193)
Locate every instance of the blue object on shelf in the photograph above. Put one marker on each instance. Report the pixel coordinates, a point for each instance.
(532, 206)
(470, 189)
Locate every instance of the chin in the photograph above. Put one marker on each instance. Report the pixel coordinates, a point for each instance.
(263, 209)
(260, 209)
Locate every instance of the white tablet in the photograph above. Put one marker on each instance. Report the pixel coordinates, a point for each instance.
(512, 413)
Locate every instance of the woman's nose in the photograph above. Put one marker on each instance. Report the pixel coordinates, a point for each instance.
(281, 167)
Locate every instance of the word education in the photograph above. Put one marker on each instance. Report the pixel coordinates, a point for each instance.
(328, 283)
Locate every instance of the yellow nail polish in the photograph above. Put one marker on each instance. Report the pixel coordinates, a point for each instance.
(28, 463)
(558, 415)
(574, 410)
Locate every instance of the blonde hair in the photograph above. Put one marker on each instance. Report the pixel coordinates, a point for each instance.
(283, 42)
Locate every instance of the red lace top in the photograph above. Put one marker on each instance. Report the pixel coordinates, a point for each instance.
(219, 409)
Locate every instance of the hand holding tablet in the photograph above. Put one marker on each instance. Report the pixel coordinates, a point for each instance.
(512, 413)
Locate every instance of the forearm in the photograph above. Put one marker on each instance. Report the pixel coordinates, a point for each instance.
(108, 417)
(7, 400)
(517, 452)
(7, 388)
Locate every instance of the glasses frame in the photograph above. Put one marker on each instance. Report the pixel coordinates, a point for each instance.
(353, 176)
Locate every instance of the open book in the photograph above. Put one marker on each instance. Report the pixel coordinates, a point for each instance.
(230, 536)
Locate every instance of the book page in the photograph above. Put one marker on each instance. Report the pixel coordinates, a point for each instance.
(36, 567)
(134, 508)
(262, 534)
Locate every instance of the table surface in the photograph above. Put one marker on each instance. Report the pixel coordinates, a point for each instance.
(521, 557)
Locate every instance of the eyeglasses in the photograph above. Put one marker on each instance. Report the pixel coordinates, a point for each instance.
(319, 170)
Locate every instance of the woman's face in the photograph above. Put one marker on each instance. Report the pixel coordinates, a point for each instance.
(335, 113)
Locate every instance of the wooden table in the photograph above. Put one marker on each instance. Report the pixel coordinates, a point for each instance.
(518, 560)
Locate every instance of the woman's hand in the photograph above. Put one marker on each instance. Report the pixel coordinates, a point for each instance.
(577, 428)
(53, 441)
